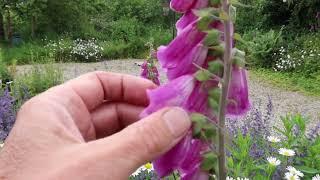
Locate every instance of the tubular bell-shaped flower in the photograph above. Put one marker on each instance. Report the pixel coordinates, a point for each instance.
(172, 94)
(179, 57)
(150, 71)
(238, 93)
(183, 6)
(188, 18)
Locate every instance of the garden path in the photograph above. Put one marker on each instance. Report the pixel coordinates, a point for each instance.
(283, 101)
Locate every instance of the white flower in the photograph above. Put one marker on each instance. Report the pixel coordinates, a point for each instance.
(286, 152)
(147, 167)
(316, 177)
(289, 176)
(273, 161)
(288, 56)
(293, 170)
(273, 139)
(238, 178)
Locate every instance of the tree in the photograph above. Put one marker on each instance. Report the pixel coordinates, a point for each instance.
(32, 9)
(2, 34)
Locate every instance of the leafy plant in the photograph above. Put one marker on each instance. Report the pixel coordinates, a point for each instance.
(260, 47)
(40, 78)
(7, 113)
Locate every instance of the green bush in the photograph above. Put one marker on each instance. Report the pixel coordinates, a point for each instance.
(300, 56)
(4, 73)
(260, 46)
(26, 53)
(39, 79)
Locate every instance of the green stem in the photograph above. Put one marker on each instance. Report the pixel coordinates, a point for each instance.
(224, 95)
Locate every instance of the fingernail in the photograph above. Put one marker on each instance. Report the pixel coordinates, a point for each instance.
(178, 121)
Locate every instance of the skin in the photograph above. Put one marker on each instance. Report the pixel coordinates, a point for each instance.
(88, 128)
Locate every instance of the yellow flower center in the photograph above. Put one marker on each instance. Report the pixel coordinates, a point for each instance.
(148, 166)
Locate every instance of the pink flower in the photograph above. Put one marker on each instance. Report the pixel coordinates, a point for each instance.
(185, 157)
(238, 93)
(188, 18)
(178, 57)
(172, 94)
(183, 6)
(149, 71)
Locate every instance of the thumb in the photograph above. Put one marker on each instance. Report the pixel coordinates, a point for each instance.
(146, 139)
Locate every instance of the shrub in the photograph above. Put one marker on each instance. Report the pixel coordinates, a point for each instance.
(301, 56)
(39, 79)
(296, 14)
(5, 76)
(60, 49)
(87, 50)
(26, 53)
(260, 47)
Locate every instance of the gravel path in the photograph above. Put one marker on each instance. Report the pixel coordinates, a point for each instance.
(283, 101)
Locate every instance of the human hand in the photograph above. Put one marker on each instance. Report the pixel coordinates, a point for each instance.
(78, 130)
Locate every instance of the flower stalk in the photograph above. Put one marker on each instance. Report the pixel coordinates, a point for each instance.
(225, 88)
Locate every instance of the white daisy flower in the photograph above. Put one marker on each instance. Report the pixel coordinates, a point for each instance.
(273, 139)
(273, 161)
(229, 178)
(293, 170)
(147, 167)
(286, 152)
(289, 176)
(316, 177)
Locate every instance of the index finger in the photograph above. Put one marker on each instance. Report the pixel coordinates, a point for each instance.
(97, 87)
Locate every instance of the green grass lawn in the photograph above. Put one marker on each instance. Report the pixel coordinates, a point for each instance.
(288, 81)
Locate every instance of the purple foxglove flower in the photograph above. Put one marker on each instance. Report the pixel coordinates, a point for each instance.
(188, 18)
(148, 71)
(144, 70)
(184, 5)
(185, 48)
(187, 65)
(181, 5)
(173, 159)
(238, 93)
(198, 100)
(185, 157)
(174, 93)
(199, 4)
(190, 167)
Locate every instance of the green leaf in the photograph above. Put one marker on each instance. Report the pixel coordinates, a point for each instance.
(205, 12)
(215, 2)
(233, 13)
(210, 132)
(216, 50)
(209, 162)
(215, 94)
(203, 75)
(308, 170)
(199, 121)
(224, 16)
(203, 23)
(216, 67)
(238, 38)
(214, 104)
(240, 62)
(237, 3)
(212, 38)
